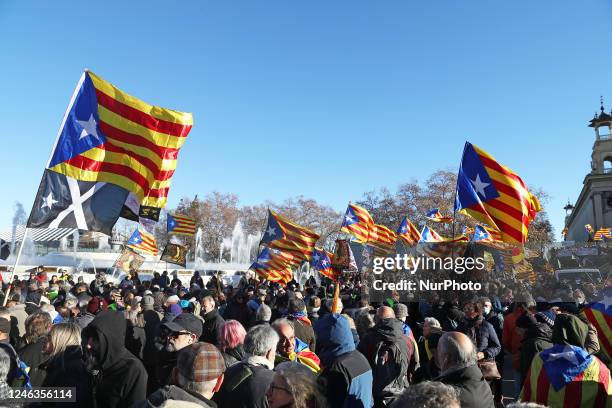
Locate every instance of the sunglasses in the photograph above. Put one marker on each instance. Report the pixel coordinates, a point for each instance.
(177, 334)
(276, 387)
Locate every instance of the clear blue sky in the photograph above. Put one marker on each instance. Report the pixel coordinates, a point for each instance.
(328, 99)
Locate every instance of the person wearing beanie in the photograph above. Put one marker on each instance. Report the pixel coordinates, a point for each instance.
(302, 324)
(198, 375)
(536, 338)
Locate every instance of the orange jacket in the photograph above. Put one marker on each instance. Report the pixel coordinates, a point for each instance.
(511, 339)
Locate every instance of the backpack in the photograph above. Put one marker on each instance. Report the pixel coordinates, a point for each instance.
(18, 372)
(389, 370)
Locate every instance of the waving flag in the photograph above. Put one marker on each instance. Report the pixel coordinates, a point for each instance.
(483, 234)
(435, 216)
(382, 237)
(143, 241)
(567, 376)
(181, 224)
(602, 233)
(358, 222)
(429, 235)
(282, 234)
(495, 195)
(408, 232)
(321, 262)
(110, 136)
(274, 265)
(599, 313)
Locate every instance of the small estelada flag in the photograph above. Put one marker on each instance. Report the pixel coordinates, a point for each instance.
(175, 254)
(179, 224)
(143, 241)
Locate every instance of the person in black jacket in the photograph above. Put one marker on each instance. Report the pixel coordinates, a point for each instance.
(457, 360)
(479, 331)
(246, 383)
(387, 336)
(212, 321)
(117, 377)
(37, 325)
(64, 366)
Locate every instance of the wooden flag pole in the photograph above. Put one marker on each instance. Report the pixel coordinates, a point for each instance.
(10, 285)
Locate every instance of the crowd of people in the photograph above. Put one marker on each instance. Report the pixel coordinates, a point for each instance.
(162, 343)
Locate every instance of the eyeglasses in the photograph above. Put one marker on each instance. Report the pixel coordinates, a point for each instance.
(276, 387)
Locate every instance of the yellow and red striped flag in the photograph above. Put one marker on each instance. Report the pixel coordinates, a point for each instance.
(567, 376)
(382, 237)
(495, 195)
(599, 314)
(358, 222)
(282, 234)
(602, 233)
(408, 232)
(274, 265)
(110, 136)
(143, 241)
(181, 224)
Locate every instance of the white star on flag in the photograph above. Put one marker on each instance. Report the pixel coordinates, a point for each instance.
(479, 185)
(607, 300)
(89, 127)
(349, 218)
(271, 231)
(567, 354)
(316, 257)
(48, 201)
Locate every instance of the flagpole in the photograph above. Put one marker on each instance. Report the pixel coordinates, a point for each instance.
(10, 285)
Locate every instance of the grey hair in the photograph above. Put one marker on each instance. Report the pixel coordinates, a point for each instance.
(5, 365)
(329, 304)
(202, 388)
(433, 323)
(260, 339)
(209, 299)
(282, 321)
(428, 394)
(457, 355)
(264, 313)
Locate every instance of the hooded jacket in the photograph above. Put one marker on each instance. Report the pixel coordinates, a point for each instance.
(121, 379)
(346, 373)
(537, 338)
(474, 392)
(386, 332)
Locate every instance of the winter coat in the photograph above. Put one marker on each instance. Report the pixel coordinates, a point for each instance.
(33, 356)
(135, 339)
(173, 393)
(346, 375)
(482, 335)
(120, 378)
(385, 332)
(474, 392)
(237, 311)
(245, 384)
(67, 369)
(537, 338)
(83, 320)
(210, 329)
(233, 356)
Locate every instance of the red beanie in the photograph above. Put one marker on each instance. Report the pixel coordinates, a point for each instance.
(96, 305)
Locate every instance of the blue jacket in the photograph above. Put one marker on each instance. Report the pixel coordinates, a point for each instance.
(346, 372)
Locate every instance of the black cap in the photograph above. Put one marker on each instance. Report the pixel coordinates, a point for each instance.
(185, 322)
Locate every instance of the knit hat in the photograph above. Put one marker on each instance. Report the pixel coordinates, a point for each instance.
(173, 299)
(547, 316)
(200, 362)
(147, 302)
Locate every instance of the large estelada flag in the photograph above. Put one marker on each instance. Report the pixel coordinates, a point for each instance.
(494, 194)
(567, 376)
(181, 224)
(108, 136)
(484, 234)
(599, 314)
(143, 241)
(358, 222)
(321, 262)
(408, 232)
(284, 235)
